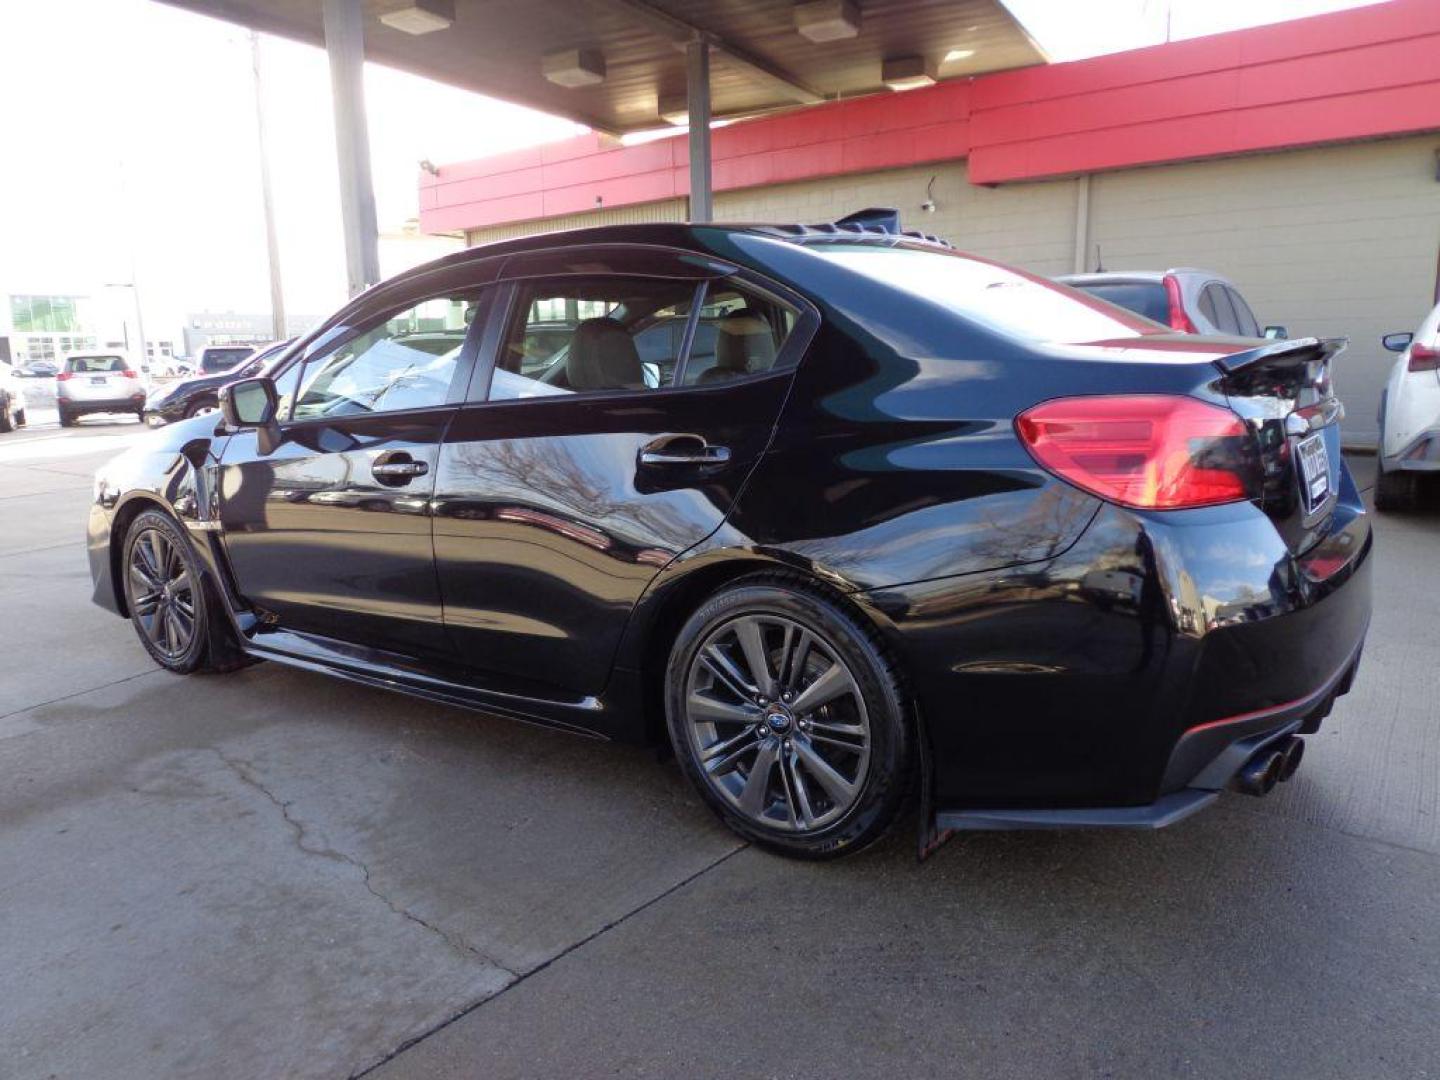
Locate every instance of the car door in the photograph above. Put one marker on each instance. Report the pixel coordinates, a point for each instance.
(329, 533)
(563, 492)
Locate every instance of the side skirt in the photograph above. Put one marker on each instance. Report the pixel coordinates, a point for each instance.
(581, 716)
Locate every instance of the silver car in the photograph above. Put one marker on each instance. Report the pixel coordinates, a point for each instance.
(1192, 301)
(97, 382)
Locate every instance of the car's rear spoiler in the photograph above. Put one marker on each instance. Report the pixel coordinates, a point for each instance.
(1296, 350)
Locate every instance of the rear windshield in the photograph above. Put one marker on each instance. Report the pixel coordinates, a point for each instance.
(84, 364)
(223, 359)
(1142, 297)
(1007, 300)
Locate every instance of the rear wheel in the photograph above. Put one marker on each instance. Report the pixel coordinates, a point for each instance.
(20, 420)
(66, 418)
(7, 418)
(788, 718)
(177, 618)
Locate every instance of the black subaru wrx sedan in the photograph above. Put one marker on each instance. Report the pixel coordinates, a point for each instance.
(907, 520)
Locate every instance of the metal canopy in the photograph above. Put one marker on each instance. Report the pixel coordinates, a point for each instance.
(758, 59)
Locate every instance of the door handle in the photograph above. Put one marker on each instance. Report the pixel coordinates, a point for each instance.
(397, 468)
(683, 450)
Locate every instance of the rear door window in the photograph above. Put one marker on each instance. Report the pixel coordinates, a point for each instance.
(739, 333)
(1219, 299)
(602, 334)
(1244, 317)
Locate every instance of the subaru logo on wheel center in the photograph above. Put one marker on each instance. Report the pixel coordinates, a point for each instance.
(778, 717)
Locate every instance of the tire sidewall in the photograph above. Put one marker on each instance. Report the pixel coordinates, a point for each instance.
(194, 656)
(891, 739)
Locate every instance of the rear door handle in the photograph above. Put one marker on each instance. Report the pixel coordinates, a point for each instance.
(397, 468)
(683, 450)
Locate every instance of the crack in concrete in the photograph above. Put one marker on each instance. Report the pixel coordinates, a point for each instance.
(246, 772)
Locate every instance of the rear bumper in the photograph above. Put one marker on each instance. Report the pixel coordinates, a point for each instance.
(1109, 685)
(77, 406)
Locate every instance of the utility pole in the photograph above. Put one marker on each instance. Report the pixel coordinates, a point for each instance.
(272, 246)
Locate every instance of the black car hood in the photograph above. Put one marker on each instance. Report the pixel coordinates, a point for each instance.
(201, 382)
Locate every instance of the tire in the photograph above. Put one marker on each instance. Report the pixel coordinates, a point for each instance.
(179, 619)
(20, 420)
(835, 774)
(1395, 491)
(66, 420)
(197, 408)
(7, 422)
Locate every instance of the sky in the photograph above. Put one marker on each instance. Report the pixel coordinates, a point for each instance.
(130, 149)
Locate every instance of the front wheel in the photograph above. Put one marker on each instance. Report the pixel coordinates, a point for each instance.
(788, 718)
(176, 617)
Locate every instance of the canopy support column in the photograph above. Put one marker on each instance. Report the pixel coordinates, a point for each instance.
(697, 91)
(345, 45)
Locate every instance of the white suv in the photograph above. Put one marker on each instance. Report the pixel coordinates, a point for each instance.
(97, 382)
(12, 398)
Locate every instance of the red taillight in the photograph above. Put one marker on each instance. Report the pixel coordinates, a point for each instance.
(129, 374)
(1178, 319)
(1150, 451)
(1423, 358)
(61, 376)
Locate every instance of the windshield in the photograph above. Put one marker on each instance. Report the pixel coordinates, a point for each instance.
(1000, 297)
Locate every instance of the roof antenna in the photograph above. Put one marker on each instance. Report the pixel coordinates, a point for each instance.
(1099, 263)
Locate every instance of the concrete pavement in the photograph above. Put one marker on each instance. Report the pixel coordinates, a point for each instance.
(277, 874)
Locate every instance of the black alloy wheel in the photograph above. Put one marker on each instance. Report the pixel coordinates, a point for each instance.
(787, 717)
(176, 618)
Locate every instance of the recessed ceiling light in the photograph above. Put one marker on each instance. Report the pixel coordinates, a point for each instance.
(906, 73)
(574, 67)
(827, 20)
(421, 16)
(958, 54)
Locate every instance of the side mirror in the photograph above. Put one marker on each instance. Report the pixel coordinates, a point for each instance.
(1397, 342)
(253, 403)
(1276, 333)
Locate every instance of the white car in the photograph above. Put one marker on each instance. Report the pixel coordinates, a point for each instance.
(12, 398)
(1410, 416)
